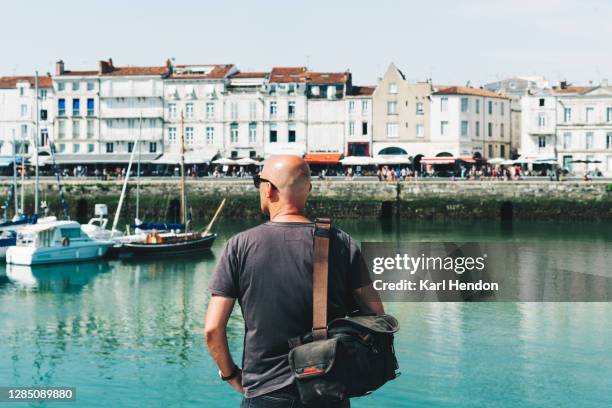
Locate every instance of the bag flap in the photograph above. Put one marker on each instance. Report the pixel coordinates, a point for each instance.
(313, 359)
(376, 323)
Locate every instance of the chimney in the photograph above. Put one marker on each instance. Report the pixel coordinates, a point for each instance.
(563, 84)
(59, 67)
(104, 67)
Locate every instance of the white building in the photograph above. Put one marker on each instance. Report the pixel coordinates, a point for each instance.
(570, 124)
(18, 114)
(468, 122)
(358, 121)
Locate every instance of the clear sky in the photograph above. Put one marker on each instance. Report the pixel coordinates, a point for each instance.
(452, 41)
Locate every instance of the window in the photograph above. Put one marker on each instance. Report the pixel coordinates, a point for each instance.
(252, 132)
(609, 141)
(590, 115)
(315, 90)
(392, 88)
(419, 108)
(252, 110)
(152, 147)
(234, 133)
(273, 109)
(152, 123)
(443, 127)
(62, 147)
(90, 86)
(76, 107)
(567, 140)
(291, 133)
(131, 123)
(273, 134)
(130, 147)
(391, 108)
(234, 110)
(609, 115)
(392, 130)
(351, 128)
(502, 110)
(477, 127)
(42, 93)
(61, 107)
(210, 135)
(567, 115)
(24, 130)
(90, 148)
(210, 110)
(21, 91)
(541, 119)
(61, 86)
(490, 107)
(61, 129)
(420, 130)
(291, 89)
(110, 147)
(502, 150)
(477, 109)
(189, 135)
(365, 105)
(172, 110)
(76, 129)
(90, 107)
(109, 123)
(351, 106)
(541, 142)
(291, 109)
(76, 86)
(90, 128)
(589, 140)
(490, 150)
(43, 114)
(542, 101)
(465, 104)
(464, 128)
(444, 104)
(490, 125)
(501, 130)
(24, 111)
(189, 110)
(172, 135)
(364, 128)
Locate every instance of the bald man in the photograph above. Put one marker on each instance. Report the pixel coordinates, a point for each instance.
(269, 270)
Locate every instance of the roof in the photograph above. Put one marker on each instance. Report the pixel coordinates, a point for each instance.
(250, 74)
(362, 90)
(301, 74)
(288, 74)
(135, 71)
(10, 82)
(572, 89)
(464, 90)
(204, 71)
(79, 73)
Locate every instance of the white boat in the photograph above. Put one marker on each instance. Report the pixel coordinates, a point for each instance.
(55, 242)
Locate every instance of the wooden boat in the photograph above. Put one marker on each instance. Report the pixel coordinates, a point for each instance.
(175, 242)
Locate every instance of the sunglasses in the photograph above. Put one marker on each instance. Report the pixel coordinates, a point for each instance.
(257, 180)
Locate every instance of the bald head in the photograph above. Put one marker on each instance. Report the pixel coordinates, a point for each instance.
(291, 176)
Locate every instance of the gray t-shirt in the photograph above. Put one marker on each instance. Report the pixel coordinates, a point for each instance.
(269, 270)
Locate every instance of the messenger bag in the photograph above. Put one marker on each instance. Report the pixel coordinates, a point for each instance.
(350, 357)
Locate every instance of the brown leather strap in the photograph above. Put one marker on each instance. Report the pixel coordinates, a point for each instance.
(319, 278)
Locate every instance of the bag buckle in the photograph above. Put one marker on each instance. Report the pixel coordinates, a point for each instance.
(322, 227)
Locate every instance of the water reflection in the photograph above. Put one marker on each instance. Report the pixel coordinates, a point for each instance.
(66, 278)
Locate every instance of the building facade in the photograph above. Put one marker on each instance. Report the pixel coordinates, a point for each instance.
(358, 121)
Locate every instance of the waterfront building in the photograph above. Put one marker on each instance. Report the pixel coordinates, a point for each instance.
(18, 114)
(358, 121)
(515, 88)
(570, 123)
(401, 116)
(468, 122)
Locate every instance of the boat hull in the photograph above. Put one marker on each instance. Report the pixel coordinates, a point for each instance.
(26, 255)
(181, 247)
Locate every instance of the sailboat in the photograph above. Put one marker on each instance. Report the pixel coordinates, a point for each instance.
(176, 242)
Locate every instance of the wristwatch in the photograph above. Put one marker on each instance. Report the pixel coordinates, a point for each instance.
(232, 375)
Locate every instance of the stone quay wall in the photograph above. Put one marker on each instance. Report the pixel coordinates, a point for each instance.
(357, 199)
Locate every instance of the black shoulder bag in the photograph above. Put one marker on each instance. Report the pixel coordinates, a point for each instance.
(351, 356)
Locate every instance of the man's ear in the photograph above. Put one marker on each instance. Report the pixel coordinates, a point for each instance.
(268, 190)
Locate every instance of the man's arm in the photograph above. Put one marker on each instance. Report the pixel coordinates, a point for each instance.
(215, 324)
(368, 300)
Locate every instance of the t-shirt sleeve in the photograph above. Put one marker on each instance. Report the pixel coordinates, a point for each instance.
(224, 281)
(358, 275)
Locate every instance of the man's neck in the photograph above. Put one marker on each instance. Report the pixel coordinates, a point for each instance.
(288, 215)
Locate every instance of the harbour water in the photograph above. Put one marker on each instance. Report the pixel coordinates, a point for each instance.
(130, 333)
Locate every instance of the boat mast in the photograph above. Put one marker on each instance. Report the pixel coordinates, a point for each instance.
(138, 171)
(183, 192)
(22, 176)
(123, 190)
(36, 136)
(15, 173)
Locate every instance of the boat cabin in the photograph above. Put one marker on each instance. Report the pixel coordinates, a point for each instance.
(59, 233)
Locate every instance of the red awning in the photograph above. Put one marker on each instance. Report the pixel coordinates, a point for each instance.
(322, 158)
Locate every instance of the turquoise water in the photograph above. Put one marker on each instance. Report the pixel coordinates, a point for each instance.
(130, 334)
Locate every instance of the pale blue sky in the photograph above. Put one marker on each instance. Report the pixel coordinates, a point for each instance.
(452, 40)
